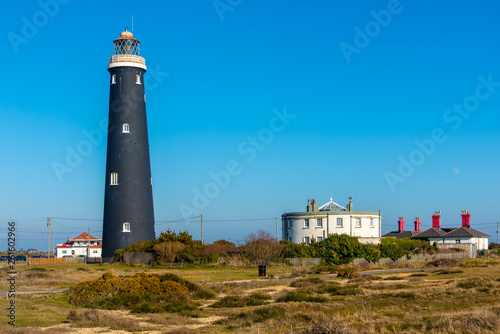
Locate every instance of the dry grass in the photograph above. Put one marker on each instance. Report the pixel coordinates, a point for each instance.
(458, 300)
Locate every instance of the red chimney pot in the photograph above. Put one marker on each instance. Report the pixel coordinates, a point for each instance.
(465, 218)
(417, 224)
(401, 224)
(436, 220)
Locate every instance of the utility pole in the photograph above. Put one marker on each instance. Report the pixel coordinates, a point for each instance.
(53, 245)
(277, 235)
(497, 232)
(202, 229)
(88, 246)
(48, 237)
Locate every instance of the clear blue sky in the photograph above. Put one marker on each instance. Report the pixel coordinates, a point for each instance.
(364, 80)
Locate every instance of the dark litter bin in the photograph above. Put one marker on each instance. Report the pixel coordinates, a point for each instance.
(262, 270)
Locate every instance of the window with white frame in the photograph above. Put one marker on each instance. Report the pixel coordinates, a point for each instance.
(319, 222)
(357, 222)
(307, 241)
(126, 128)
(340, 222)
(372, 222)
(138, 79)
(126, 227)
(457, 241)
(114, 179)
(318, 239)
(95, 251)
(64, 252)
(306, 223)
(113, 79)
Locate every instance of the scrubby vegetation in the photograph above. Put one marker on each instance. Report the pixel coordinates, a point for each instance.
(140, 293)
(262, 248)
(464, 299)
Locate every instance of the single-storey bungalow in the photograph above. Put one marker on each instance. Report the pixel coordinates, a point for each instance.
(84, 244)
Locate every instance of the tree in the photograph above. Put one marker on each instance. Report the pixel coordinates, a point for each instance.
(339, 249)
(262, 248)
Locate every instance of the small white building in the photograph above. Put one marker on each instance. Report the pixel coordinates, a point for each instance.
(319, 222)
(465, 235)
(84, 244)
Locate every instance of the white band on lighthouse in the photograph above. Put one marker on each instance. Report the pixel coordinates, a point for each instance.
(127, 64)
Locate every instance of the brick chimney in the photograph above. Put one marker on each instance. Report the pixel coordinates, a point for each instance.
(436, 219)
(465, 218)
(401, 224)
(417, 224)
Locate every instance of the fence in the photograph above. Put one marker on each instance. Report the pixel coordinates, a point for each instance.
(38, 261)
(418, 258)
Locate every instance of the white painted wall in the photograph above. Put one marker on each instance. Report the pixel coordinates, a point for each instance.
(369, 226)
(481, 243)
(75, 251)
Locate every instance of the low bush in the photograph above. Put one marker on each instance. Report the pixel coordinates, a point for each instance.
(348, 273)
(443, 263)
(306, 282)
(406, 295)
(335, 290)
(475, 283)
(139, 293)
(448, 271)
(238, 301)
(301, 297)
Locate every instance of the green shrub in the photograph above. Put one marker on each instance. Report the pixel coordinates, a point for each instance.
(292, 250)
(339, 249)
(392, 251)
(139, 293)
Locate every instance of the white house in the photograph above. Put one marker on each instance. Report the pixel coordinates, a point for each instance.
(319, 222)
(84, 244)
(465, 235)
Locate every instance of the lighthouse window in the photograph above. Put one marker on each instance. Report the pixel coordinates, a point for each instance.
(126, 227)
(126, 128)
(114, 179)
(113, 79)
(138, 79)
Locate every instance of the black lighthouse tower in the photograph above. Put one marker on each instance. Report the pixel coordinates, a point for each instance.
(128, 198)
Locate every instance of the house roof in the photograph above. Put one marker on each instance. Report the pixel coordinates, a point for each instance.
(401, 235)
(63, 246)
(433, 232)
(460, 232)
(84, 236)
(332, 206)
(96, 246)
(466, 232)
